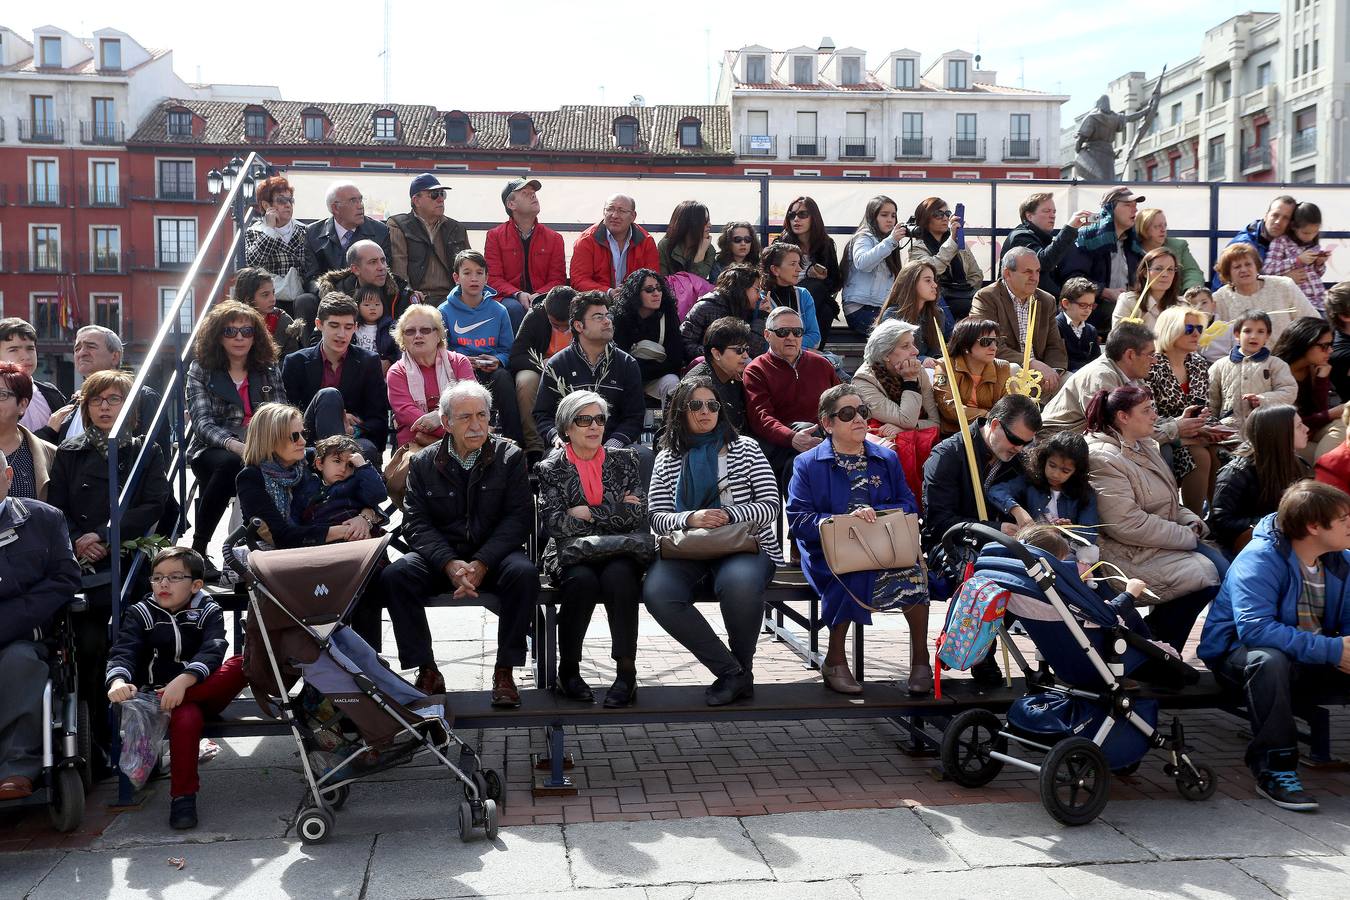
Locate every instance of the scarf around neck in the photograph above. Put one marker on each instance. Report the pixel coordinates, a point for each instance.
(1102, 232)
(956, 269)
(1259, 356)
(280, 481)
(697, 485)
(417, 388)
(892, 385)
(98, 439)
(590, 470)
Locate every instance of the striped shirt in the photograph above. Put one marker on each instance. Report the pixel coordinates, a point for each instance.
(1312, 600)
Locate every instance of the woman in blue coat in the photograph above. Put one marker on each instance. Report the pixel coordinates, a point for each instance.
(849, 475)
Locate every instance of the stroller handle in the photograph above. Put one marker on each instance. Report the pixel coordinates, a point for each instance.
(246, 533)
(975, 535)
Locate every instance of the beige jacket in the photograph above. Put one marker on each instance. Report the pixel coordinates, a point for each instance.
(1145, 529)
(913, 411)
(995, 303)
(1270, 379)
(1068, 410)
(940, 260)
(43, 453)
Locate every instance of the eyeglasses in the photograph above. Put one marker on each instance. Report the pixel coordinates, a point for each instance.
(618, 211)
(739, 349)
(176, 578)
(800, 214)
(110, 400)
(651, 289)
(741, 240)
(848, 413)
(711, 406)
(1323, 345)
(987, 341)
(1012, 438)
(1192, 328)
(601, 317)
(6, 396)
(283, 200)
(788, 332)
(233, 331)
(297, 437)
(1083, 304)
(587, 420)
(357, 199)
(434, 195)
(418, 329)
(943, 214)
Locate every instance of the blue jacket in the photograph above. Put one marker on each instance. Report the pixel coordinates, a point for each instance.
(483, 329)
(1019, 491)
(819, 489)
(38, 572)
(1257, 604)
(336, 503)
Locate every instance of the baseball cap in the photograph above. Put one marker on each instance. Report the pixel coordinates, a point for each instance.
(425, 182)
(516, 184)
(1117, 194)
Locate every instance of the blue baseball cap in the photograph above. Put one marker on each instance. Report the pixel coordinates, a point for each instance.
(425, 182)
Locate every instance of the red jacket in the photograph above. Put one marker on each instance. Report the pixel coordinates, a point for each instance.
(777, 394)
(1333, 467)
(592, 265)
(506, 259)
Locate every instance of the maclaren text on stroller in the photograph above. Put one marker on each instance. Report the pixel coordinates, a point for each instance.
(298, 627)
(1081, 714)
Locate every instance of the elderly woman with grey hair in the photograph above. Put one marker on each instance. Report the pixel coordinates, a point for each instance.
(587, 489)
(892, 382)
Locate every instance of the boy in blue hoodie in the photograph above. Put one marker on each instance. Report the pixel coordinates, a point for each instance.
(1281, 625)
(480, 328)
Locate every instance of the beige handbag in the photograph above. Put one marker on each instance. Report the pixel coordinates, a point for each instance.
(709, 543)
(852, 545)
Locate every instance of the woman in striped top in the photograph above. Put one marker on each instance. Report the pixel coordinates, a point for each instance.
(707, 476)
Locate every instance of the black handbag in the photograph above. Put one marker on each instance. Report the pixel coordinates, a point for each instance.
(591, 548)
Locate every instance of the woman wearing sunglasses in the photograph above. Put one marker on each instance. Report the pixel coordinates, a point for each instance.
(959, 273)
(1179, 380)
(587, 489)
(1306, 346)
(737, 243)
(276, 242)
(647, 327)
(707, 476)
(981, 377)
(426, 368)
(847, 475)
(235, 372)
(803, 227)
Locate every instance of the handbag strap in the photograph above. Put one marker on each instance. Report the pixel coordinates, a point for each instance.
(866, 548)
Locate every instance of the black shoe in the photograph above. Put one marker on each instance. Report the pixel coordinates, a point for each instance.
(622, 692)
(212, 573)
(1285, 791)
(574, 687)
(730, 688)
(183, 812)
(986, 672)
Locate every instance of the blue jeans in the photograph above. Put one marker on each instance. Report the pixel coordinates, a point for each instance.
(862, 319)
(326, 416)
(1214, 555)
(738, 581)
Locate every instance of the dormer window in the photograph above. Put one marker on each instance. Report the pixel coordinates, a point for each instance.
(385, 126)
(255, 125)
(754, 69)
(315, 124)
(906, 73)
(110, 55)
(626, 132)
(180, 123)
(850, 70)
(49, 49)
(691, 134)
(456, 128)
(957, 78)
(803, 70)
(522, 131)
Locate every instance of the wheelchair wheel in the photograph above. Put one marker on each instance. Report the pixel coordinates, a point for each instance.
(1075, 781)
(67, 806)
(84, 742)
(1198, 786)
(966, 745)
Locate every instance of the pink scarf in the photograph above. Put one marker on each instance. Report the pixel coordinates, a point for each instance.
(417, 389)
(592, 485)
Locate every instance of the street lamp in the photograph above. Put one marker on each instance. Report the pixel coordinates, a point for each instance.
(227, 177)
(214, 183)
(250, 189)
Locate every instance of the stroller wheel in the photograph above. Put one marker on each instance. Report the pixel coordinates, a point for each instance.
(67, 807)
(1198, 786)
(490, 819)
(315, 825)
(966, 745)
(1075, 781)
(495, 789)
(465, 821)
(337, 797)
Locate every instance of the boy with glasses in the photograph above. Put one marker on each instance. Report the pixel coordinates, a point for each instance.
(1077, 300)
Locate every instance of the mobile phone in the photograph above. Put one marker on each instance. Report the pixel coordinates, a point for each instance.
(960, 213)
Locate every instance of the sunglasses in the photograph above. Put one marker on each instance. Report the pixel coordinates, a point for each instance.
(943, 214)
(740, 240)
(739, 349)
(711, 406)
(1192, 328)
(651, 289)
(987, 341)
(1012, 438)
(233, 331)
(435, 195)
(297, 437)
(849, 413)
(789, 332)
(586, 420)
(800, 214)
(419, 329)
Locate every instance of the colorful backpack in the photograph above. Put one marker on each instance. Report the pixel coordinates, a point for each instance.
(973, 618)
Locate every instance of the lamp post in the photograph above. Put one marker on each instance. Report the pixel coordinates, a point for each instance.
(222, 181)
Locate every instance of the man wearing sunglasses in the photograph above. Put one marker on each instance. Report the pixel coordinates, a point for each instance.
(425, 240)
(1008, 302)
(782, 392)
(726, 353)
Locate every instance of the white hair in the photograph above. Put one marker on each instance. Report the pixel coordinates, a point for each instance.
(1015, 255)
(331, 197)
(463, 390)
(884, 337)
(110, 337)
(575, 402)
(777, 313)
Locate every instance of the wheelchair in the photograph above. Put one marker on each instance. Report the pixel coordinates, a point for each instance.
(67, 752)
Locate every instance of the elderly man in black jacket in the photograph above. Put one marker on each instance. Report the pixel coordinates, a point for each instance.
(467, 513)
(331, 238)
(38, 577)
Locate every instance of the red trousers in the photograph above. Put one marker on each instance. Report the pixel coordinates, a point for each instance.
(204, 698)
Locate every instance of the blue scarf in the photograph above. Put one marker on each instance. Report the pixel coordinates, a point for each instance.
(280, 481)
(697, 486)
(1102, 233)
(1259, 356)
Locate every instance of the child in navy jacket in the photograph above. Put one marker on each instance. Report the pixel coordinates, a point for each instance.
(350, 483)
(1054, 488)
(1077, 300)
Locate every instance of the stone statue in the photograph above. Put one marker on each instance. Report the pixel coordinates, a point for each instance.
(1096, 159)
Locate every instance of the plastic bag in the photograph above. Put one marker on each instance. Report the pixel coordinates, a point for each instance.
(142, 730)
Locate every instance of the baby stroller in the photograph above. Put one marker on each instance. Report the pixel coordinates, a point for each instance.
(354, 718)
(1079, 710)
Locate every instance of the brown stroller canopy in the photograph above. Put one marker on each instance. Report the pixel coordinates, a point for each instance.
(316, 582)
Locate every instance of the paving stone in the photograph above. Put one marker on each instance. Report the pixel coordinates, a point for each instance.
(20, 872)
(992, 834)
(1330, 824)
(416, 864)
(245, 804)
(708, 850)
(1179, 829)
(1193, 879)
(986, 884)
(248, 870)
(838, 844)
(1327, 876)
(262, 752)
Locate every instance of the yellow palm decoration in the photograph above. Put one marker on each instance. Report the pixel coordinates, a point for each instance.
(1139, 301)
(1027, 382)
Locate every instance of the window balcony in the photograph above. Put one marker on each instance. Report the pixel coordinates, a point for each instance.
(105, 262)
(763, 146)
(46, 262)
(857, 148)
(102, 132)
(42, 131)
(972, 149)
(1216, 167)
(1255, 159)
(1021, 149)
(104, 196)
(43, 194)
(806, 147)
(913, 148)
(1304, 143)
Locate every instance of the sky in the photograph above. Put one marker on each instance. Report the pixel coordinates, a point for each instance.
(526, 54)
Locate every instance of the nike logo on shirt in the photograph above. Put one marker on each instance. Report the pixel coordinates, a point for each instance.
(467, 329)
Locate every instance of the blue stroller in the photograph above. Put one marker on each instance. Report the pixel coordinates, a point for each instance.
(1079, 710)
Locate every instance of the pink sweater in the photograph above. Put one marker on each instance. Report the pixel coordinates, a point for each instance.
(406, 409)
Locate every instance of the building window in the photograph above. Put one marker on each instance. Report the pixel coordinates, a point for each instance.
(803, 70)
(1019, 135)
(45, 250)
(911, 134)
(255, 125)
(966, 131)
(1216, 167)
(1306, 175)
(1263, 75)
(1199, 103)
(1305, 131)
(177, 242)
(105, 250)
(1294, 73)
(47, 317)
(110, 54)
(522, 131)
(44, 116)
(905, 74)
(1316, 53)
(180, 123)
(44, 184)
(956, 74)
(456, 128)
(314, 127)
(1176, 114)
(804, 142)
(167, 297)
(691, 137)
(177, 179)
(108, 311)
(386, 126)
(850, 69)
(104, 189)
(626, 132)
(754, 70)
(50, 50)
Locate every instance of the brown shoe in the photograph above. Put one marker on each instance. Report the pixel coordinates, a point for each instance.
(921, 680)
(504, 692)
(15, 787)
(430, 680)
(840, 679)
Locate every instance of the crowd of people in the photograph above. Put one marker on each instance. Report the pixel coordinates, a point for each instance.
(1097, 383)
